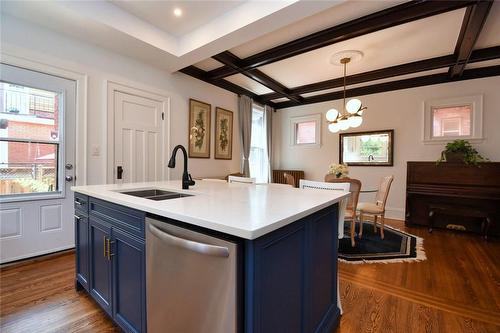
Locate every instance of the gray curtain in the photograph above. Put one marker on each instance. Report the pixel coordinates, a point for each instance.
(245, 121)
(268, 116)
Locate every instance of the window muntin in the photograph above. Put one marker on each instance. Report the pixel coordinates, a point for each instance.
(29, 140)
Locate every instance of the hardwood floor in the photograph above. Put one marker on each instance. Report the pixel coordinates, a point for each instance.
(457, 289)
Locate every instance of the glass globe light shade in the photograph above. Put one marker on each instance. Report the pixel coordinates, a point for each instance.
(332, 114)
(355, 121)
(353, 105)
(365, 138)
(344, 124)
(334, 127)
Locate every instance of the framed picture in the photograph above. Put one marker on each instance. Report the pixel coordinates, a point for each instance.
(374, 148)
(223, 134)
(199, 129)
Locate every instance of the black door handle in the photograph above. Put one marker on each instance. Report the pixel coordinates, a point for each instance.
(119, 172)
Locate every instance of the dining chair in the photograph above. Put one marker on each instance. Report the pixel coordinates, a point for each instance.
(244, 180)
(344, 187)
(237, 174)
(352, 203)
(376, 209)
(290, 180)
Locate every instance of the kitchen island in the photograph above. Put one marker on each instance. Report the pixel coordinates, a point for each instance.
(219, 257)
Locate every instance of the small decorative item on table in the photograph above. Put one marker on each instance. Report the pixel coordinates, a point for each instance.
(199, 129)
(339, 170)
(223, 134)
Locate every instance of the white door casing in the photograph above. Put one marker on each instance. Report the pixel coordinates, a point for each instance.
(139, 143)
(40, 223)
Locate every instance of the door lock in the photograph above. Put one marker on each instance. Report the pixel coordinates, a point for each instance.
(119, 172)
(69, 166)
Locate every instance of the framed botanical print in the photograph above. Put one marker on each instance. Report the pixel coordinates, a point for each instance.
(223, 134)
(199, 129)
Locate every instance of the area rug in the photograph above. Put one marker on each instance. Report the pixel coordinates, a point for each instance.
(397, 246)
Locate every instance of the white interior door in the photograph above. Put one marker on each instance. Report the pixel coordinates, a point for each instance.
(37, 144)
(139, 142)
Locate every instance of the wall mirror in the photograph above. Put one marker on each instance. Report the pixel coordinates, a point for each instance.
(373, 148)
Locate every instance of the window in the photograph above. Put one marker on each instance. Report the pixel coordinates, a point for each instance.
(305, 131)
(450, 119)
(258, 147)
(29, 140)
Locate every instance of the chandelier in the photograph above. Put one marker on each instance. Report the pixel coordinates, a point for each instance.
(352, 113)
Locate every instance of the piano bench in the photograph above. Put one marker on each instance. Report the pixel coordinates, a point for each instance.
(460, 211)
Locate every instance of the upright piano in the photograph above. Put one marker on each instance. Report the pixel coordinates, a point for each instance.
(454, 196)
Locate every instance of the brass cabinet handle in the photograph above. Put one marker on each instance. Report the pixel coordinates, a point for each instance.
(78, 202)
(104, 243)
(78, 218)
(109, 243)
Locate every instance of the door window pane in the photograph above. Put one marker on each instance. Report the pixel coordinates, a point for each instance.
(29, 140)
(28, 113)
(28, 167)
(451, 121)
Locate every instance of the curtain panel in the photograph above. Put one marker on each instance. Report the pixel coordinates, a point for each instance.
(245, 122)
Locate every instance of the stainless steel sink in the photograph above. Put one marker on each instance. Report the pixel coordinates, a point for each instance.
(155, 194)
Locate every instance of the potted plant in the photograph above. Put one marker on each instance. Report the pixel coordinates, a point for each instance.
(461, 151)
(339, 170)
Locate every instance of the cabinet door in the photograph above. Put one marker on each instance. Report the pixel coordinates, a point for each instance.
(100, 263)
(129, 287)
(82, 249)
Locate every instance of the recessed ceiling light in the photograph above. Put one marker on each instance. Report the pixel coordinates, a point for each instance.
(178, 12)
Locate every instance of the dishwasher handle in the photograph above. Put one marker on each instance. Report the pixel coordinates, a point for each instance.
(211, 250)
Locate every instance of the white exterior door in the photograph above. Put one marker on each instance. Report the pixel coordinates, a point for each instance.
(139, 142)
(37, 144)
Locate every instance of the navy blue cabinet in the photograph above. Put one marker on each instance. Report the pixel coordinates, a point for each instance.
(129, 269)
(82, 248)
(110, 259)
(100, 263)
(291, 276)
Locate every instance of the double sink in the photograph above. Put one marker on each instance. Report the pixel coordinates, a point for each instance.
(155, 194)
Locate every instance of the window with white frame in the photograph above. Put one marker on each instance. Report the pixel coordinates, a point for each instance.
(305, 130)
(258, 159)
(455, 118)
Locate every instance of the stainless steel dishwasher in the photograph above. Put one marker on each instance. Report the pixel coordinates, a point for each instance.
(191, 281)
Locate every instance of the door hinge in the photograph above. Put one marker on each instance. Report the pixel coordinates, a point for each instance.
(163, 116)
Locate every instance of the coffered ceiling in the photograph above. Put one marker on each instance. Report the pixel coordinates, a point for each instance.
(405, 44)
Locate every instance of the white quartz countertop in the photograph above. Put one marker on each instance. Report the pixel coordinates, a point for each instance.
(243, 210)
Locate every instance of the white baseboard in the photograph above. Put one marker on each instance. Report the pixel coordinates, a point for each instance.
(395, 213)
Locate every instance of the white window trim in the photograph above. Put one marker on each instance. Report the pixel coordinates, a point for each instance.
(475, 101)
(302, 119)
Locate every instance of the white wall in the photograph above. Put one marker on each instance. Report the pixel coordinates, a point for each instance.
(23, 39)
(400, 110)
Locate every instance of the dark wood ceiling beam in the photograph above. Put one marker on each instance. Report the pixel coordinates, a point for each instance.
(403, 13)
(384, 73)
(397, 85)
(472, 24)
(231, 60)
(224, 84)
